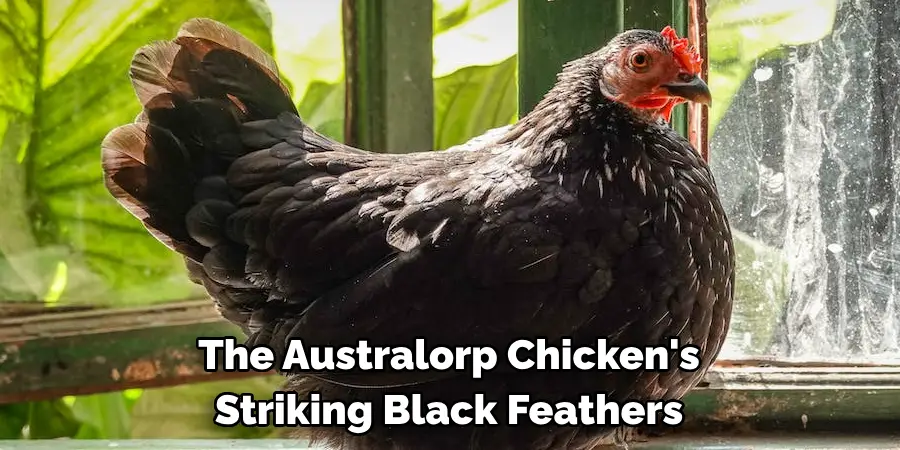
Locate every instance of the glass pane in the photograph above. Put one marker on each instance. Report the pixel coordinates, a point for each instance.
(63, 239)
(806, 150)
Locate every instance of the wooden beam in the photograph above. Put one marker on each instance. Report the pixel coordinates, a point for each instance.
(553, 33)
(698, 115)
(390, 91)
(70, 353)
(55, 324)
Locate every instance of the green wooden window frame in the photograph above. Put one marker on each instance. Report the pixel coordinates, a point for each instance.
(89, 351)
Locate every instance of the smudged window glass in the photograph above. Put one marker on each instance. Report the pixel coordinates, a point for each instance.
(805, 145)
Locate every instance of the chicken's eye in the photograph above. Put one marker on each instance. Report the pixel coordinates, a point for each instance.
(640, 61)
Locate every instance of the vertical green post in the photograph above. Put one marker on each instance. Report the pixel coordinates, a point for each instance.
(552, 33)
(388, 57)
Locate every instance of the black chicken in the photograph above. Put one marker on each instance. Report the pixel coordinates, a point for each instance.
(588, 218)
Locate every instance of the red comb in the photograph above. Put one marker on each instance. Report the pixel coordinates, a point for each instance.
(685, 52)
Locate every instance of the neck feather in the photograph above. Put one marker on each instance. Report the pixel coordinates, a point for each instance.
(571, 119)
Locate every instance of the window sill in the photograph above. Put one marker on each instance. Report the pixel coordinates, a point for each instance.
(773, 441)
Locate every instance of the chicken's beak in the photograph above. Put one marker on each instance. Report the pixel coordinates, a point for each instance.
(694, 90)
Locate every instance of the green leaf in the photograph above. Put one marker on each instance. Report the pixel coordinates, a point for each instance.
(487, 36)
(308, 44)
(65, 85)
(452, 13)
(322, 108)
(13, 418)
(473, 100)
(102, 416)
(51, 420)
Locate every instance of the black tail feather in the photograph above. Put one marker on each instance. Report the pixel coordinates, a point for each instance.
(196, 91)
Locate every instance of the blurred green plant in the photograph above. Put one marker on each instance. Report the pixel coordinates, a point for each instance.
(100, 416)
(63, 240)
(62, 237)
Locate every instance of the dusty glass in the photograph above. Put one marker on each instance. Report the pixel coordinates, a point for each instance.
(805, 145)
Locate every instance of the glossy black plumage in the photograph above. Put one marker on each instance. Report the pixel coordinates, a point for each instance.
(583, 220)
